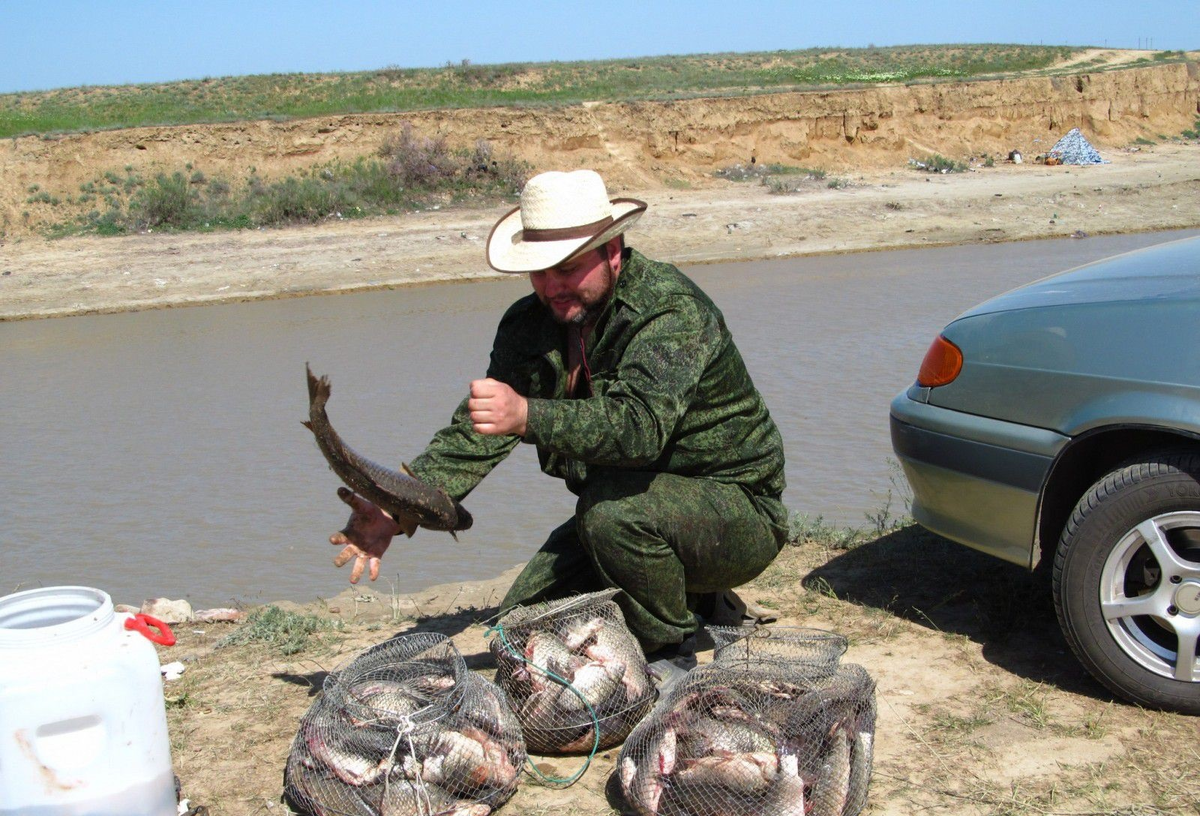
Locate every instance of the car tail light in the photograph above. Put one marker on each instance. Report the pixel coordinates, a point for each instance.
(941, 365)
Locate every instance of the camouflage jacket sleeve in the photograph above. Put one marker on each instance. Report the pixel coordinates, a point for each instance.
(632, 421)
(457, 458)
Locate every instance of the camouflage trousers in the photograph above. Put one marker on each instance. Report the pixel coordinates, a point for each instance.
(658, 537)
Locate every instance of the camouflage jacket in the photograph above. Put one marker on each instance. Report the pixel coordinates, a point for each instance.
(670, 393)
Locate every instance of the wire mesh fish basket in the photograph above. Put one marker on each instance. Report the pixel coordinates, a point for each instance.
(754, 738)
(573, 672)
(818, 648)
(405, 729)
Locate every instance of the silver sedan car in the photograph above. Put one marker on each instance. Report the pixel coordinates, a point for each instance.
(1060, 424)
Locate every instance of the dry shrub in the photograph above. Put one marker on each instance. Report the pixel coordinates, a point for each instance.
(419, 161)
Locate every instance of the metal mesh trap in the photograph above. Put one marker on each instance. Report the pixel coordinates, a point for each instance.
(573, 672)
(816, 648)
(755, 737)
(405, 729)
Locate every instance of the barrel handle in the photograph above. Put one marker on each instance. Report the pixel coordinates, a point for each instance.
(143, 623)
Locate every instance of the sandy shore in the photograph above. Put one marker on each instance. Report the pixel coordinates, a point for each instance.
(1152, 188)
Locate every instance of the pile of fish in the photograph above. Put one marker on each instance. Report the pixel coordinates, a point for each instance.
(406, 730)
(574, 674)
(757, 739)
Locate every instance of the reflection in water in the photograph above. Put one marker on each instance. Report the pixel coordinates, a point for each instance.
(161, 453)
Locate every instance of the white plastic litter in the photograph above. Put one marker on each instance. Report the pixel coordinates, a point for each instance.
(1075, 149)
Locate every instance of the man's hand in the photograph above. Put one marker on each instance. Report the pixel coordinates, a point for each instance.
(365, 537)
(496, 409)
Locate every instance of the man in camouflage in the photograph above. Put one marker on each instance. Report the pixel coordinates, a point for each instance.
(622, 373)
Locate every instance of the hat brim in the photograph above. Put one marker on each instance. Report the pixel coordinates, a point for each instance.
(507, 251)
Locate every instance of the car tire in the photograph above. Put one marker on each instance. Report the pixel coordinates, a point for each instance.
(1126, 581)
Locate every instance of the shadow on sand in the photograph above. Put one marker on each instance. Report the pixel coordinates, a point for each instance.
(1009, 611)
(313, 681)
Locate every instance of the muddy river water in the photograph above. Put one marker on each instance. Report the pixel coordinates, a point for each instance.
(160, 453)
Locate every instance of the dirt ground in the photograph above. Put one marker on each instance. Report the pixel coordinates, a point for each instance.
(1144, 188)
(982, 708)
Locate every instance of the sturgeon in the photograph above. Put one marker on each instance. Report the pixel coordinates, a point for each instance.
(408, 500)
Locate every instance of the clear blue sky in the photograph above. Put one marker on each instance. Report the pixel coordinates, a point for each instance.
(61, 43)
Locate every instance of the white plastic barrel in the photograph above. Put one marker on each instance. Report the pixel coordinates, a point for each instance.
(83, 725)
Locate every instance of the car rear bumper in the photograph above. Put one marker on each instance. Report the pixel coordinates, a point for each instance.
(975, 480)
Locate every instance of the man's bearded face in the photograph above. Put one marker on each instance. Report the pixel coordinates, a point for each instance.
(576, 291)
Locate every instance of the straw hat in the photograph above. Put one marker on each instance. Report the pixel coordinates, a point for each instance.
(561, 215)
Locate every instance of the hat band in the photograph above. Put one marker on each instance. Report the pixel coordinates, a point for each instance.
(564, 233)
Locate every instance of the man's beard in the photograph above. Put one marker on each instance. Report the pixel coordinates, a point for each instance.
(590, 311)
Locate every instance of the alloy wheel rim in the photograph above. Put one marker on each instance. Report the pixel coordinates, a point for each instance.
(1147, 593)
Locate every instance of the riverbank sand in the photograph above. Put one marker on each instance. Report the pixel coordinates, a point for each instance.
(1151, 188)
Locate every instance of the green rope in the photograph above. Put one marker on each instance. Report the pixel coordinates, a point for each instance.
(571, 780)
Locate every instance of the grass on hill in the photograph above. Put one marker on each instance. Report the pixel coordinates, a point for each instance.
(289, 96)
(409, 172)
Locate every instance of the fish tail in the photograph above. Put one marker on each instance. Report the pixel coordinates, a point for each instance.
(318, 388)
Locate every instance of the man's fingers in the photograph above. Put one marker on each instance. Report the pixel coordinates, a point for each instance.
(339, 539)
(357, 503)
(361, 562)
(483, 388)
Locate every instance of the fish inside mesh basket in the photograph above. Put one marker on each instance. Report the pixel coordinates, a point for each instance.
(402, 734)
(819, 649)
(574, 673)
(756, 740)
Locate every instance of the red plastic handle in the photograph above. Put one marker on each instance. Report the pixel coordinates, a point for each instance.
(142, 623)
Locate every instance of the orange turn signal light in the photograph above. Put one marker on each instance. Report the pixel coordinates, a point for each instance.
(941, 365)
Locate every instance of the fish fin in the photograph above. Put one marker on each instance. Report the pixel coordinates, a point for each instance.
(408, 523)
(452, 535)
(407, 470)
(307, 424)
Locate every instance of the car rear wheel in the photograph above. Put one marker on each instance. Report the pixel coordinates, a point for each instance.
(1127, 581)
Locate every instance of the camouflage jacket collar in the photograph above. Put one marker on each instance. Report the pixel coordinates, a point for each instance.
(627, 294)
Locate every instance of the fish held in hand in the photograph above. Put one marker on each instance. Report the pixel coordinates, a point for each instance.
(407, 499)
